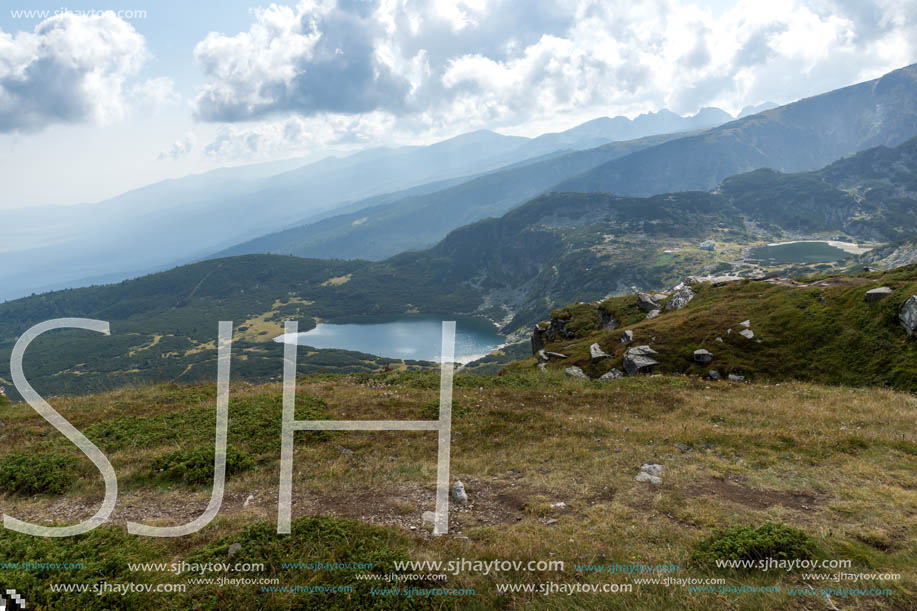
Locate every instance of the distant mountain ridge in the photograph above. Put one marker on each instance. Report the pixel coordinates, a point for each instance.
(555, 249)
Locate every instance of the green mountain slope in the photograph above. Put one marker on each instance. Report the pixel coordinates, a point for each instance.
(556, 249)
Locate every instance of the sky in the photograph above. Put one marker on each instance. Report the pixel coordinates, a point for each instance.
(99, 98)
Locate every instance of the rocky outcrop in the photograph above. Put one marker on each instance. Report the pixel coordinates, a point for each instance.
(680, 298)
(702, 355)
(546, 332)
(908, 315)
(650, 301)
(878, 294)
(638, 360)
(713, 280)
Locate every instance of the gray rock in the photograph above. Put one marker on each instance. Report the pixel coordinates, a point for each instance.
(596, 353)
(248, 501)
(682, 447)
(649, 479)
(458, 493)
(683, 294)
(719, 339)
(614, 374)
(233, 549)
(908, 315)
(575, 372)
(747, 333)
(628, 337)
(555, 355)
(878, 294)
(702, 355)
(650, 473)
(608, 320)
(713, 374)
(736, 378)
(746, 323)
(542, 357)
(707, 245)
(637, 360)
(650, 301)
(653, 314)
(542, 366)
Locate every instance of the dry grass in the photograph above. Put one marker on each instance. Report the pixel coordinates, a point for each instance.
(839, 463)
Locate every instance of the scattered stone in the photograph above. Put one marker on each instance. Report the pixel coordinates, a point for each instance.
(650, 474)
(628, 337)
(682, 447)
(555, 355)
(746, 323)
(428, 518)
(736, 378)
(614, 374)
(458, 493)
(559, 505)
(713, 374)
(703, 355)
(653, 314)
(233, 549)
(719, 339)
(575, 372)
(251, 497)
(542, 357)
(344, 450)
(683, 294)
(707, 245)
(596, 353)
(649, 301)
(637, 360)
(542, 366)
(551, 521)
(878, 294)
(908, 315)
(747, 333)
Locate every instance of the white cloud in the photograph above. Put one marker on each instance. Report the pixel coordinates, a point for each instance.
(69, 69)
(352, 69)
(180, 148)
(155, 93)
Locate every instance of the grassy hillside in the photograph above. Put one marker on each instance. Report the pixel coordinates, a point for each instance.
(812, 458)
(819, 329)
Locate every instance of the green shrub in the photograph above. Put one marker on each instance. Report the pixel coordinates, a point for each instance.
(770, 540)
(35, 474)
(196, 466)
(431, 410)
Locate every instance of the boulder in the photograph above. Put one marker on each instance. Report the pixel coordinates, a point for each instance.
(628, 337)
(719, 339)
(614, 374)
(650, 301)
(555, 355)
(652, 314)
(747, 333)
(575, 372)
(637, 360)
(908, 315)
(713, 374)
(458, 493)
(746, 323)
(596, 353)
(702, 355)
(736, 378)
(683, 294)
(650, 474)
(878, 294)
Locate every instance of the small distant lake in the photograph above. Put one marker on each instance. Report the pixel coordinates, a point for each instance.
(412, 337)
(805, 251)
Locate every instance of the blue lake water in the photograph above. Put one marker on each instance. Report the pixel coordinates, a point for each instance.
(413, 337)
